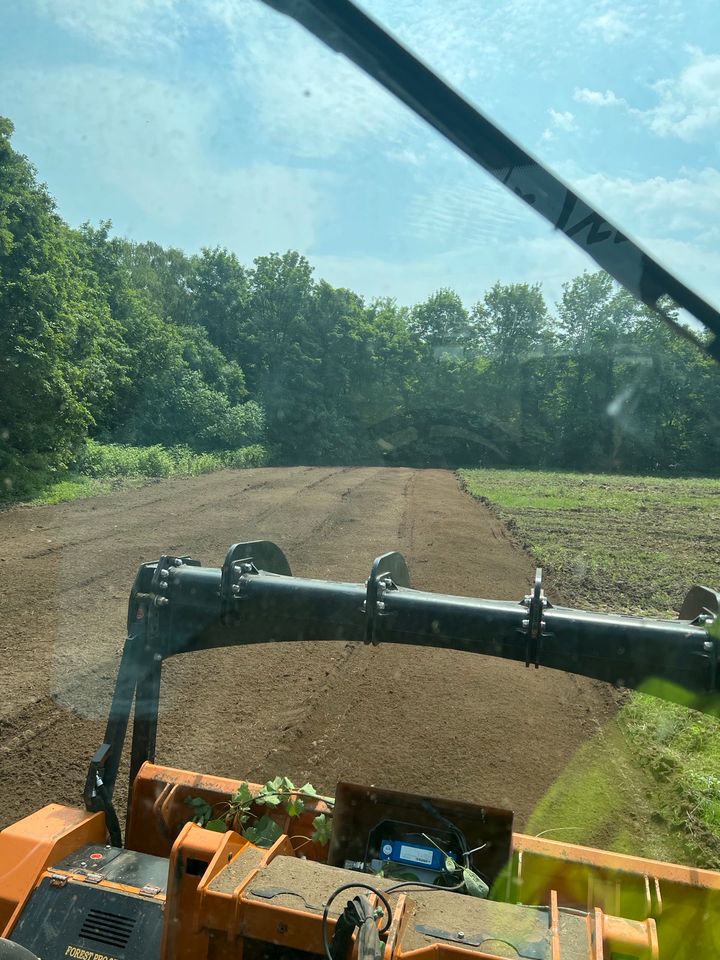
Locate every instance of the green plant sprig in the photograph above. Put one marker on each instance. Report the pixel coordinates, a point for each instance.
(279, 793)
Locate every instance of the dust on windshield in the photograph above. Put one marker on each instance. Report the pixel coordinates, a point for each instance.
(245, 294)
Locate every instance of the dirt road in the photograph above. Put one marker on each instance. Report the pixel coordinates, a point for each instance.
(438, 722)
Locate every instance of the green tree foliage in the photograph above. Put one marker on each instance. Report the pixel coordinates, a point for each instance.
(61, 353)
(220, 294)
(595, 330)
(441, 322)
(138, 344)
(514, 333)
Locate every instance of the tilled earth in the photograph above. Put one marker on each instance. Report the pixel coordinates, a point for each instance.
(431, 721)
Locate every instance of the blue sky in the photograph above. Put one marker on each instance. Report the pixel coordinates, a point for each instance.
(222, 122)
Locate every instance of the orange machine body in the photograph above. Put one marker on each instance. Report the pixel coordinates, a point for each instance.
(226, 898)
(31, 845)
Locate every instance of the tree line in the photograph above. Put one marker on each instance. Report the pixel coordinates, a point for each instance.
(136, 343)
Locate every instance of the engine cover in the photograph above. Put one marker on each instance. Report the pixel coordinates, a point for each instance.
(113, 911)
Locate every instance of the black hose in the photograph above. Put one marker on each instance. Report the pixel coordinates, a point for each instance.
(353, 886)
(111, 818)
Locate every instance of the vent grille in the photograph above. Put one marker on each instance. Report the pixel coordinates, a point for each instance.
(108, 928)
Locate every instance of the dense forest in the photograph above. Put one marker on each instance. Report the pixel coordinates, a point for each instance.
(133, 343)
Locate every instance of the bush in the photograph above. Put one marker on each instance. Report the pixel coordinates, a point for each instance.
(115, 460)
(254, 456)
(22, 476)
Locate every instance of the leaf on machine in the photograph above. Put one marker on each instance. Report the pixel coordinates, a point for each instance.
(242, 797)
(264, 833)
(268, 799)
(218, 825)
(295, 807)
(322, 829)
(202, 811)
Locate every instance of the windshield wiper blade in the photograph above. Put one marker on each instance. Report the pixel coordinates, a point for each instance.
(346, 29)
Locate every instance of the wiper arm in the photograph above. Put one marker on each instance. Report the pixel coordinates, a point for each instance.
(345, 28)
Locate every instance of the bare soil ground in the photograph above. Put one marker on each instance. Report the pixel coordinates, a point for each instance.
(435, 722)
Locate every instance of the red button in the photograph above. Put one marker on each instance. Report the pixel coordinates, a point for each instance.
(96, 856)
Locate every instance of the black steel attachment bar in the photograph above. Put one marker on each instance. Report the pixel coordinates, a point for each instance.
(178, 606)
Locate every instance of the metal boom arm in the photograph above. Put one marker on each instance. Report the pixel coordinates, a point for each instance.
(177, 606)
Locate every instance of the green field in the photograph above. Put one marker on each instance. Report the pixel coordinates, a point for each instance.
(649, 782)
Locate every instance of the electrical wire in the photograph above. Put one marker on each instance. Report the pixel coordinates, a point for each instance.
(426, 886)
(405, 884)
(382, 896)
(352, 886)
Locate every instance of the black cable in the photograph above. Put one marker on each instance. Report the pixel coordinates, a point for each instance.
(352, 886)
(427, 886)
(431, 809)
(428, 806)
(405, 884)
(383, 896)
(111, 818)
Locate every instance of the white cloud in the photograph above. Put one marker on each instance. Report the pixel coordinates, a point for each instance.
(472, 219)
(674, 218)
(596, 97)
(698, 266)
(308, 98)
(406, 156)
(146, 140)
(301, 94)
(690, 103)
(480, 234)
(609, 26)
(549, 260)
(531, 256)
(690, 202)
(562, 120)
(296, 99)
(466, 209)
(133, 26)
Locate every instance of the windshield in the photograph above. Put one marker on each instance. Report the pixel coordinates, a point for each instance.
(245, 293)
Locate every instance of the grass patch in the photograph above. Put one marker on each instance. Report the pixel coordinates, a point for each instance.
(101, 468)
(71, 488)
(634, 545)
(601, 799)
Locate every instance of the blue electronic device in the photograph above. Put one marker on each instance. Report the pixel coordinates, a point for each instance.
(413, 854)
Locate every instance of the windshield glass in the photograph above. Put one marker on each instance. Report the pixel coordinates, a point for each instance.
(246, 294)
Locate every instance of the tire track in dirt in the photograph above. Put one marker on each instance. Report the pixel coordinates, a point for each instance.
(80, 704)
(412, 717)
(300, 715)
(360, 694)
(76, 554)
(434, 721)
(103, 669)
